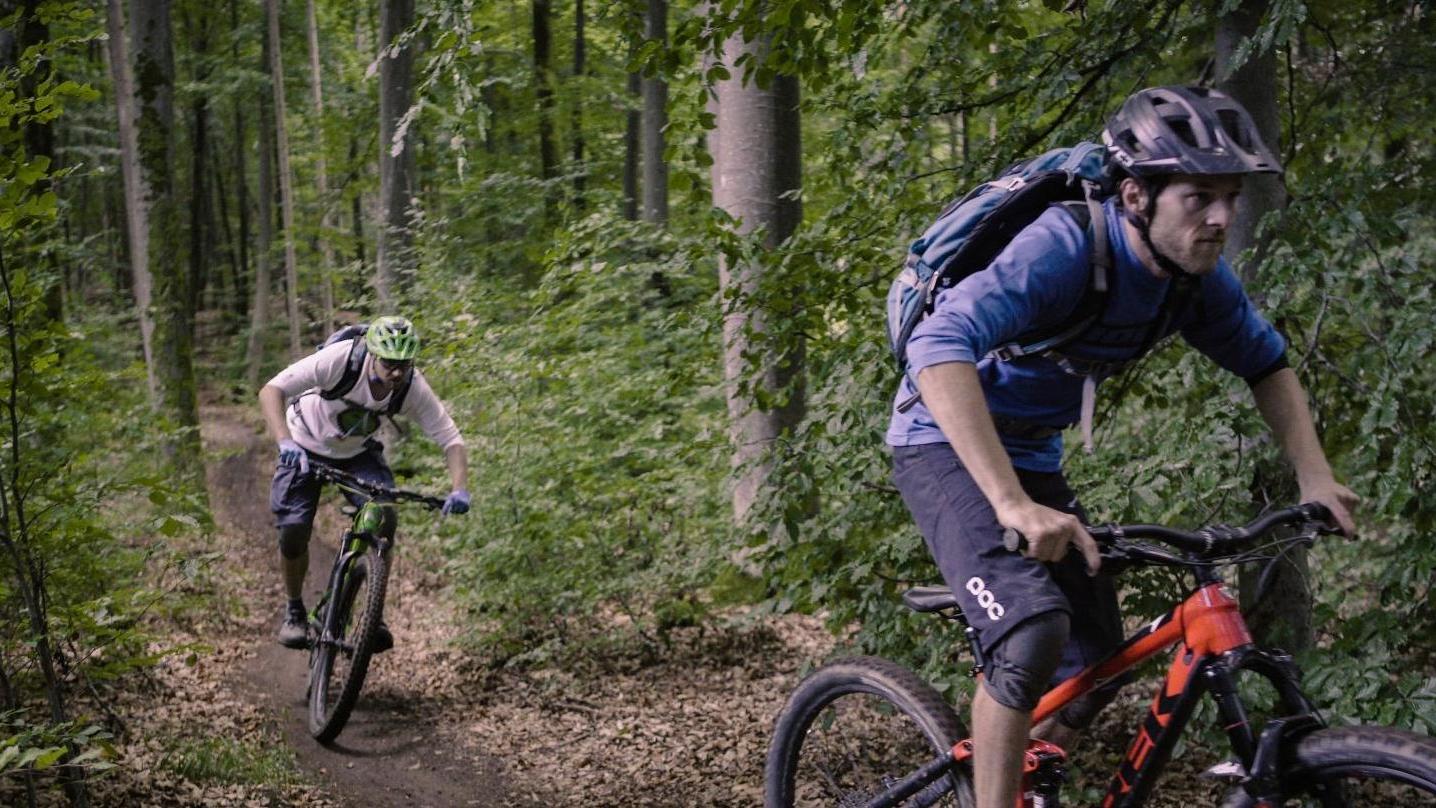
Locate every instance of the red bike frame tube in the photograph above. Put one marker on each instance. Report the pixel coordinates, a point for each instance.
(1207, 624)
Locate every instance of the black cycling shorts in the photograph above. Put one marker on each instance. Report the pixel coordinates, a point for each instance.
(997, 588)
(294, 497)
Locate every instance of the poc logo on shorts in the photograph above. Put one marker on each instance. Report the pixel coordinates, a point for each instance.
(985, 598)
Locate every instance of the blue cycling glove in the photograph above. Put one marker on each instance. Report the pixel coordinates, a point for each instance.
(456, 502)
(292, 454)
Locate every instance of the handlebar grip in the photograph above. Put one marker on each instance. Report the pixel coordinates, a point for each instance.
(1014, 542)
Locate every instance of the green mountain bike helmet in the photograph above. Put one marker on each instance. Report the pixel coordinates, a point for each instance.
(392, 338)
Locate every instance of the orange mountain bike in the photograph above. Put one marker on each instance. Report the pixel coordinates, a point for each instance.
(867, 732)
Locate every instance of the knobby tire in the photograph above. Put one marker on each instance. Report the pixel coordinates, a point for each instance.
(1357, 767)
(888, 723)
(356, 624)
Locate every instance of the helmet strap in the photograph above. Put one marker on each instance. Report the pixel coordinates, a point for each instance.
(1142, 222)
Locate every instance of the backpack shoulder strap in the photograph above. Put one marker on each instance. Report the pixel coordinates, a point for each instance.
(353, 368)
(396, 401)
(1089, 215)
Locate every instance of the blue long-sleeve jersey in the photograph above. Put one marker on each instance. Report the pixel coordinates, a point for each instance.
(1036, 283)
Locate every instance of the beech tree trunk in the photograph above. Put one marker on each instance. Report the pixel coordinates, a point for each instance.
(241, 172)
(543, 93)
(756, 161)
(259, 310)
(396, 153)
(321, 171)
(655, 118)
(1283, 618)
(1253, 83)
(172, 298)
(632, 145)
(136, 194)
(286, 180)
(580, 172)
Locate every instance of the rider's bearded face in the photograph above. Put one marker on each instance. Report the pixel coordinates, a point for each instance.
(1191, 220)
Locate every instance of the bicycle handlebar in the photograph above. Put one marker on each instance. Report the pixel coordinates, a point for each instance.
(374, 490)
(1206, 542)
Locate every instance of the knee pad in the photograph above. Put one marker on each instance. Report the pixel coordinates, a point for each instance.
(294, 540)
(1020, 666)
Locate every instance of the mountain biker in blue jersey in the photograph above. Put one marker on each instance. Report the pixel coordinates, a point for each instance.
(325, 421)
(981, 450)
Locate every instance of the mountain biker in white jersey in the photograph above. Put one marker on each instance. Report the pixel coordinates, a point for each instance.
(308, 417)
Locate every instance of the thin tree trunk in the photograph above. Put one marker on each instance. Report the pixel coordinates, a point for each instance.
(286, 180)
(241, 172)
(259, 310)
(199, 256)
(543, 92)
(396, 153)
(655, 118)
(39, 136)
(29, 581)
(321, 170)
(136, 194)
(231, 302)
(1284, 617)
(756, 164)
(580, 172)
(632, 149)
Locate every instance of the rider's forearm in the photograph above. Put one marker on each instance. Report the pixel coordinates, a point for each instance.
(1282, 403)
(456, 457)
(271, 403)
(952, 392)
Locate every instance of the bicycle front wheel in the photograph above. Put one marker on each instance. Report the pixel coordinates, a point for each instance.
(1358, 767)
(854, 728)
(340, 660)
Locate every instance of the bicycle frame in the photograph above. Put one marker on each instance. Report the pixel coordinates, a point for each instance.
(358, 539)
(1212, 643)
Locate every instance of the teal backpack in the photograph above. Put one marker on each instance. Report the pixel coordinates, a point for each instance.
(972, 231)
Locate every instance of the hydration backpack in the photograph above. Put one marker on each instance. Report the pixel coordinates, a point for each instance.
(970, 232)
(354, 368)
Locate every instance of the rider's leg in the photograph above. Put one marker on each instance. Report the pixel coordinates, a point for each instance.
(293, 498)
(294, 558)
(998, 590)
(1017, 671)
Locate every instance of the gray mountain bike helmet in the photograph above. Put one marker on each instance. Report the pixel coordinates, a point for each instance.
(1186, 130)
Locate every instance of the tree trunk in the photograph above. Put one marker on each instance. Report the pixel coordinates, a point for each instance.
(580, 173)
(1252, 83)
(543, 92)
(756, 161)
(174, 319)
(39, 136)
(200, 258)
(321, 171)
(1284, 616)
(136, 194)
(259, 311)
(396, 153)
(241, 172)
(286, 180)
(632, 149)
(655, 118)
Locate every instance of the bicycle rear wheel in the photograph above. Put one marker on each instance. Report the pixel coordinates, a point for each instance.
(340, 659)
(854, 728)
(1358, 767)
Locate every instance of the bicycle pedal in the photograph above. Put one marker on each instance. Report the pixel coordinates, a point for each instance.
(1229, 769)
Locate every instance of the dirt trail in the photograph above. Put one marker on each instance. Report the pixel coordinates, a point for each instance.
(396, 748)
(681, 725)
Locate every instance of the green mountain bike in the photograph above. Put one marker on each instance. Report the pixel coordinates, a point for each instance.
(345, 623)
